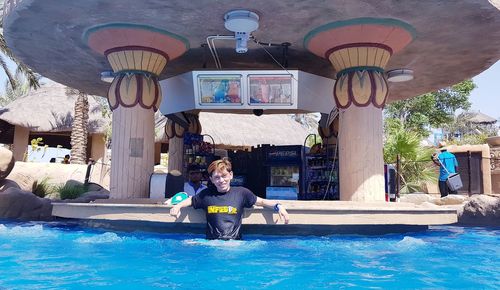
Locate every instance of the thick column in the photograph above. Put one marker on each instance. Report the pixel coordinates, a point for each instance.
(21, 141)
(175, 135)
(133, 97)
(97, 147)
(360, 154)
(175, 154)
(137, 54)
(157, 158)
(360, 93)
(359, 49)
(132, 151)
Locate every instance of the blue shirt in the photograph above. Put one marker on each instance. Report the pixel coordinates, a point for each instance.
(449, 161)
(189, 188)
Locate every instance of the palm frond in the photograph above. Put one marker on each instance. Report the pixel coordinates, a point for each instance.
(12, 81)
(416, 167)
(30, 75)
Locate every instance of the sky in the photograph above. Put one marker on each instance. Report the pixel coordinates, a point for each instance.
(486, 96)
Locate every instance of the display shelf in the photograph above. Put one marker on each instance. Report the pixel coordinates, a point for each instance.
(321, 175)
(317, 167)
(197, 152)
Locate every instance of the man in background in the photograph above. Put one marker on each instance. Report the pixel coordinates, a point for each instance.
(194, 185)
(66, 159)
(448, 164)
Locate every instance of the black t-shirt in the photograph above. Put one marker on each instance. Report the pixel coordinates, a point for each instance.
(224, 211)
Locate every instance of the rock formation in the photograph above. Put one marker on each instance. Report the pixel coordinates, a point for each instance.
(6, 162)
(481, 210)
(24, 205)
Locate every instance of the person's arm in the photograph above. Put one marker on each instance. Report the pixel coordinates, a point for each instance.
(176, 209)
(435, 159)
(272, 204)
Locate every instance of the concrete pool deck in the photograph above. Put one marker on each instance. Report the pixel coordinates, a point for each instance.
(306, 217)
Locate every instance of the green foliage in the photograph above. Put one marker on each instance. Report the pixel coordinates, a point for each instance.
(434, 109)
(71, 191)
(107, 114)
(36, 146)
(416, 166)
(313, 140)
(475, 139)
(470, 132)
(42, 187)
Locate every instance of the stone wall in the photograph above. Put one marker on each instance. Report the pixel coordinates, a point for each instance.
(57, 173)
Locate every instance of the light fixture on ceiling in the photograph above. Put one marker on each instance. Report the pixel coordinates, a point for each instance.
(107, 76)
(242, 23)
(400, 75)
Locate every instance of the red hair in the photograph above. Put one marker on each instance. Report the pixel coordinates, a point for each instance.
(220, 165)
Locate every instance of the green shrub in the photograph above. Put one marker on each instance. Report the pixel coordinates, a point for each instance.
(42, 188)
(416, 165)
(71, 191)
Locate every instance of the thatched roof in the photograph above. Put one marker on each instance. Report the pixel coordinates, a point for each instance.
(237, 130)
(50, 109)
(480, 118)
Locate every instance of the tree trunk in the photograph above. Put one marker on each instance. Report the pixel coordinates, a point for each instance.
(79, 133)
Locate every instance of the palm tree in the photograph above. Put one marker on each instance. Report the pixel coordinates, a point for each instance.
(309, 121)
(21, 67)
(79, 132)
(416, 167)
(10, 94)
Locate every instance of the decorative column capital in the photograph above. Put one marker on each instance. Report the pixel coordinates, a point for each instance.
(359, 49)
(131, 89)
(138, 54)
(136, 59)
(172, 129)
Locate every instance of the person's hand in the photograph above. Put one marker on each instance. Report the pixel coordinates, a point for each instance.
(175, 211)
(283, 214)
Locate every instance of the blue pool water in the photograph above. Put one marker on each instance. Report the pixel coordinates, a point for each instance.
(57, 256)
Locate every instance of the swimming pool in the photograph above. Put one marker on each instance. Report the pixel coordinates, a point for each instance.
(62, 256)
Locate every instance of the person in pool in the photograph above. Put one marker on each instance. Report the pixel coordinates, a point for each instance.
(224, 205)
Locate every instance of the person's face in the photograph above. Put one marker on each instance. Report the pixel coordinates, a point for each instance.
(194, 176)
(221, 179)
